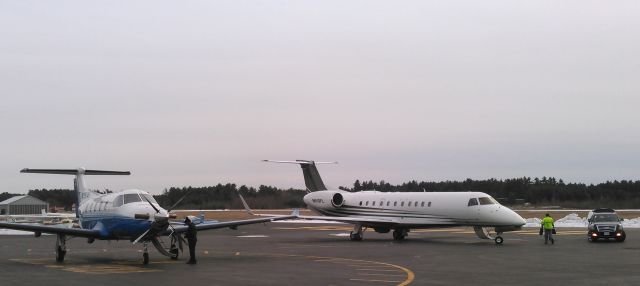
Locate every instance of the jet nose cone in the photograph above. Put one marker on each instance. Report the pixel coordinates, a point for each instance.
(517, 219)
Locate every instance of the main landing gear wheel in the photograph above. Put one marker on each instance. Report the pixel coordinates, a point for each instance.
(355, 236)
(399, 234)
(175, 252)
(61, 248)
(498, 240)
(60, 254)
(357, 233)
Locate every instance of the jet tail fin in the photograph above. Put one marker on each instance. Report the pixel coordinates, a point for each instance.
(311, 175)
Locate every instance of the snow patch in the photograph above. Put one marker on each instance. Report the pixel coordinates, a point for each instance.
(4, 231)
(340, 234)
(574, 220)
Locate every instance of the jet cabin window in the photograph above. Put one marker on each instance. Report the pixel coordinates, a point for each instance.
(487, 201)
(131, 198)
(473, 202)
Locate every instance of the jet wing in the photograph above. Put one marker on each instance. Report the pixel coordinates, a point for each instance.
(230, 224)
(52, 229)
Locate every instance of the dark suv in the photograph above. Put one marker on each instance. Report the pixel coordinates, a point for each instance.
(605, 224)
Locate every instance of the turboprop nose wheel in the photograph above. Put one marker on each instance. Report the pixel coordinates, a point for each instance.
(145, 253)
(498, 240)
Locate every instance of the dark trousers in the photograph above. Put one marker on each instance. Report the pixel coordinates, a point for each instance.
(192, 249)
(548, 235)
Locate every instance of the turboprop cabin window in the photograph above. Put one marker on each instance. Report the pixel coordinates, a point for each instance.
(422, 204)
(131, 198)
(473, 202)
(487, 201)
(117, 201)
(360, 202)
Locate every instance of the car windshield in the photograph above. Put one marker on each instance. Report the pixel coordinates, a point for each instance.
(604, 217)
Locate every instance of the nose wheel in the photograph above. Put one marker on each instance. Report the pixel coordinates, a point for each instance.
(145, 253)
(498, 240)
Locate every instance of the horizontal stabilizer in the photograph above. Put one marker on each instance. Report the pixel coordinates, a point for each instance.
(79, 171)
(301, 162)
(311, 175)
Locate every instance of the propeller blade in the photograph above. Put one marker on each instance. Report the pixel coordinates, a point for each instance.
(179, 201)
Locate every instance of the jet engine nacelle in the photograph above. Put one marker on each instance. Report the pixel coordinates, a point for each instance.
(325, 199)
(337, 200)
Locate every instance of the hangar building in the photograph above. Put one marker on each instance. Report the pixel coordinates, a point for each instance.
(20, 205)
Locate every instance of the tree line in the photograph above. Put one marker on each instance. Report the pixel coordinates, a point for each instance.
(535, 191)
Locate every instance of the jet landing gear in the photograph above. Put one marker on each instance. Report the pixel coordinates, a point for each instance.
(357, 233)
(400, 233)
(498, 239)
(489, 233)
(61, 247)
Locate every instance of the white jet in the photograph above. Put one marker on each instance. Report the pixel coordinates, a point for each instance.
(403, 211)
(130, 214)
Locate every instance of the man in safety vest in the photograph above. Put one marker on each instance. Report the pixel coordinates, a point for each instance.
(547, 225)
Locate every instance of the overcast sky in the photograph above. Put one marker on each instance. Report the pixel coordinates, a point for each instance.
(198, 92)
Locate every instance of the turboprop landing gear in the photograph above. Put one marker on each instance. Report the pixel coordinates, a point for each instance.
(61, 247)
(400, 233)
(173, 249)
(498, 240)
(357, 233)
(145, 253)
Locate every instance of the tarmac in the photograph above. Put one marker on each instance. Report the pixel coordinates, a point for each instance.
(317, 254)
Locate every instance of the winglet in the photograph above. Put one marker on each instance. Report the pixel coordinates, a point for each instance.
(244, 203)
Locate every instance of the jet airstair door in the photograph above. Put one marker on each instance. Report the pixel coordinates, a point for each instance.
(473, 209)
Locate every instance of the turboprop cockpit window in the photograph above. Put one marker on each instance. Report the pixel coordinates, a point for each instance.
(149, 197)
(473, 202)
(487, 201)
(131, 198)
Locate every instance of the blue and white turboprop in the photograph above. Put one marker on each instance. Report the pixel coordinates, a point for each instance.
(403, 211)
(130, 214)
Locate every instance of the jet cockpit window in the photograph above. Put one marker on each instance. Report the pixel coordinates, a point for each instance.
(131, 198)
(117, 201)
(148, 197)
(473, 202)
(487, 201)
